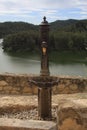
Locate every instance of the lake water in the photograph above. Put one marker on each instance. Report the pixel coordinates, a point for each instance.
(60, 63)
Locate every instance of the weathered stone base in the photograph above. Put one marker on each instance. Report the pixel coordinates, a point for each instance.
(16, 124)
(72, 114)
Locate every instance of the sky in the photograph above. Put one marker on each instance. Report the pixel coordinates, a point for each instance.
(33, 11)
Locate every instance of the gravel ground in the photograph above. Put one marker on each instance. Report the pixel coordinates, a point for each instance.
(31, 114)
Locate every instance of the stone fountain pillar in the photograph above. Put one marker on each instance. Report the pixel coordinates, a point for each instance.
(44, 93)
(44, 82)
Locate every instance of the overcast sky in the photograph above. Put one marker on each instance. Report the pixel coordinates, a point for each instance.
(32, 11)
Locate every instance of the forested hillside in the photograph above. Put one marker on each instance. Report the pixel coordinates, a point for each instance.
(69, 25)
(70, 35)
(14, 27)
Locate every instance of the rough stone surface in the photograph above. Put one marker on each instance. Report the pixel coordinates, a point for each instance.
(72, 114)
(16, 124)
(18, 84)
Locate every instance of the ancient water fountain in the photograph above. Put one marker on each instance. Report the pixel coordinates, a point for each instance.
(44, 82)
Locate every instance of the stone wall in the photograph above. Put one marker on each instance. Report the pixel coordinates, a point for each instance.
(18, 84)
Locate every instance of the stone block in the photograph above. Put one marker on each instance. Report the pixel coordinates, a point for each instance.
(26, 90)
(72, 114)
(3, 83)
(16, 124)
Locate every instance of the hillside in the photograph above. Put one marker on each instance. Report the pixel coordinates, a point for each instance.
(69, 25)
(59, 25)
(65, 35)
(13, 27)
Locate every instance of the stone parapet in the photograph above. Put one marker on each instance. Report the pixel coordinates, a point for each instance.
(18, 84)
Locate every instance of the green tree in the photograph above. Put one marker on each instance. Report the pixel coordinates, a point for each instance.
(24, 41)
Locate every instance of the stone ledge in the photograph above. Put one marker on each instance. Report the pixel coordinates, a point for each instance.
(16, 124)
(72, 114)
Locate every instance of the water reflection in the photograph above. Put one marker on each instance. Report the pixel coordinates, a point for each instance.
(69, 69)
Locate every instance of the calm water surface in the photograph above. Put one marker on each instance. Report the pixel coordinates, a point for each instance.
(60, 63)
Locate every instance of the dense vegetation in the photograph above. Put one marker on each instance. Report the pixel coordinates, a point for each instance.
(14, 27)
(68, 35)
(19, 42)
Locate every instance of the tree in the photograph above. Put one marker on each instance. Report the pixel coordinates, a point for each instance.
(24, 41)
